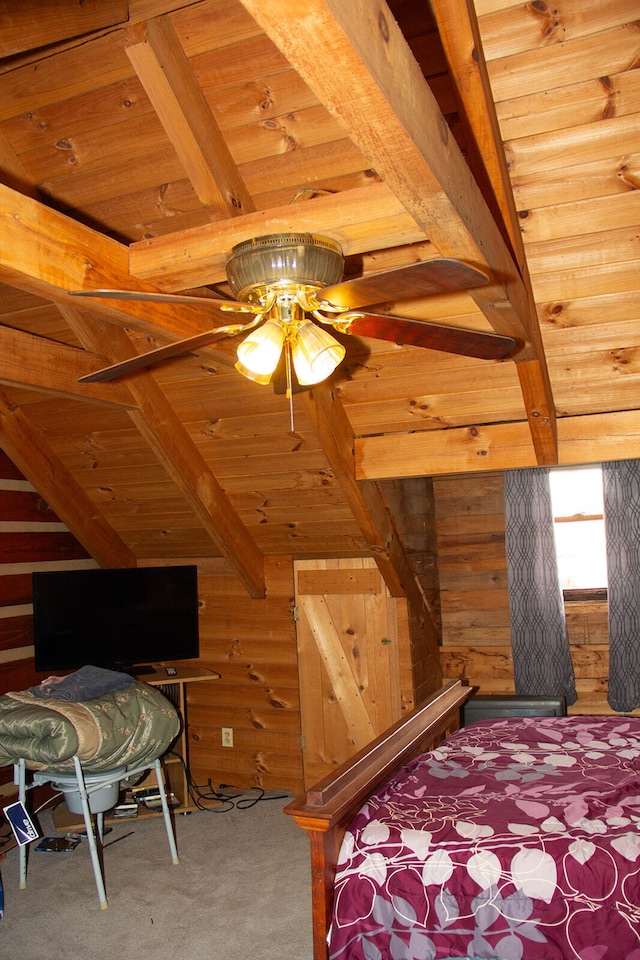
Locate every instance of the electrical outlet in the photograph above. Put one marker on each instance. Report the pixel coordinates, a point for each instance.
(227, 736)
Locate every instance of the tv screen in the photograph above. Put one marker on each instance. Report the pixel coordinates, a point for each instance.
(115, 618)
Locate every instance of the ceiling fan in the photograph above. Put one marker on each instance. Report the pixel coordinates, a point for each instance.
(281, 279)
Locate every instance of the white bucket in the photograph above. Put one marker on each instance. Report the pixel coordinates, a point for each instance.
(100, 798)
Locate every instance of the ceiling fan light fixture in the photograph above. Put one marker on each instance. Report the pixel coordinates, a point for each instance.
(284, 258)
(260, 352)
(315, 354)
(264, 379)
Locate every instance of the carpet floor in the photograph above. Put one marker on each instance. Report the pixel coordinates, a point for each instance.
(240, 892)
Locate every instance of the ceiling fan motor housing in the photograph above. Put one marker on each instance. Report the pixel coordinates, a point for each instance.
(282, 259)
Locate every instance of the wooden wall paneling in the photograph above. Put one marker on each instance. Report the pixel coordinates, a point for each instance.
(579, 201)
(512, 28)
(19, 546)
(526, 72)
(15, 588)
(16, 631)
(252, 644)
(476, 631)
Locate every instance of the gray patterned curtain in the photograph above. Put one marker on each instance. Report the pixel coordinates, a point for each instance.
(541, 659)
(621, 483)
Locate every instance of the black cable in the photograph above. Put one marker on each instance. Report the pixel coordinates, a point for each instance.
(227, 802)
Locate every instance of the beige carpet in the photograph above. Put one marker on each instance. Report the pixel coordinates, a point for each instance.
(240, 892)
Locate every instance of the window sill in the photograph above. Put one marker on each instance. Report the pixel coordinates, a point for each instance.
(577, 596)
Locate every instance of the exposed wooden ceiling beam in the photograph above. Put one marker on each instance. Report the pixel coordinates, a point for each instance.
(165, 72)
(460, 36)
(157, 422)
(36, 363)
(49, 254)
(30, 452)
(392, 116)
(363, 219)
(496, 446)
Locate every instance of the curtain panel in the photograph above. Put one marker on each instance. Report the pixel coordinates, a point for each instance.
(621, 484)
(541, 658)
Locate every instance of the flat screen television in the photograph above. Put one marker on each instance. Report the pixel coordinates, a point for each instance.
(120, 619)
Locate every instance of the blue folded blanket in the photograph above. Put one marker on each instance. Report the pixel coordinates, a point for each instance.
(84, 684)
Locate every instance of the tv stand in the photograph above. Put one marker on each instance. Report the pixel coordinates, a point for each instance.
(175, 763)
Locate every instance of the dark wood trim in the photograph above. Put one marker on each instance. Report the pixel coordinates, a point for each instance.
(577, 596)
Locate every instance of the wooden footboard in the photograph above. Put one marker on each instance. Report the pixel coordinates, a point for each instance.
(327, 809)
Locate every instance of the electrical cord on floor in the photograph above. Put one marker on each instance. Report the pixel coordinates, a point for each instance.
(201, 794)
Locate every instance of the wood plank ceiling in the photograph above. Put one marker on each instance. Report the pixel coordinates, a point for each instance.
(140, 140)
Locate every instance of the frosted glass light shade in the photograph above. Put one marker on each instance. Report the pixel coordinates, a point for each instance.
(315, 354)
(259, 353)
(262, 378)
(304, 258)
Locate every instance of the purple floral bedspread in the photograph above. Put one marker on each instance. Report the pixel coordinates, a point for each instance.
(517, 839)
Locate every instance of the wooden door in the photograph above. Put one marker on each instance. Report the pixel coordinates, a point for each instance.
(348, 660)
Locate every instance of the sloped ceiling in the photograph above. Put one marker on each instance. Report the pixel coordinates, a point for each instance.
(140, 141)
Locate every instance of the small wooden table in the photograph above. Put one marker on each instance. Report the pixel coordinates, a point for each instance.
(173, 686)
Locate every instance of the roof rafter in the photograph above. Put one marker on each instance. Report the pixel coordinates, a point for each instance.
(460, 35)
(157, 422)
(65, 253)
(30, 452)
(49, 254)
(36, 363)
(165, 72)
(394, 119)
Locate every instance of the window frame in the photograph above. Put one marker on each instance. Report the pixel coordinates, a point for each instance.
(581, 594)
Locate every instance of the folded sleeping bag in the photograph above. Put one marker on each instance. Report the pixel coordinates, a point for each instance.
(125, 727)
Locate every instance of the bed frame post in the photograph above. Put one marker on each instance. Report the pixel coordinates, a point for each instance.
(326, 810)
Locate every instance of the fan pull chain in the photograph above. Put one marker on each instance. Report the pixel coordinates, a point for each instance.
(289, 394)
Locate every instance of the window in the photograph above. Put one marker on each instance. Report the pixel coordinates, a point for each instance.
(578, 513)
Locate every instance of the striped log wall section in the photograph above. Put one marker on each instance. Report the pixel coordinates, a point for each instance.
(32, 538)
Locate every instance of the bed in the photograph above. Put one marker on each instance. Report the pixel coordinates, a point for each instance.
(511, 839)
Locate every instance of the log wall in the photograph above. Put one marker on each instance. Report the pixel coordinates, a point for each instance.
(31, 538)
(252, 644)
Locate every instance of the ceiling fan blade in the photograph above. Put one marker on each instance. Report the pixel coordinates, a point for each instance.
(226, 305)
(166, 352)
(420, 333)
(415, 280)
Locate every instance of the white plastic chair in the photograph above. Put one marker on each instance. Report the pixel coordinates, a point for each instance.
(98, 782)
